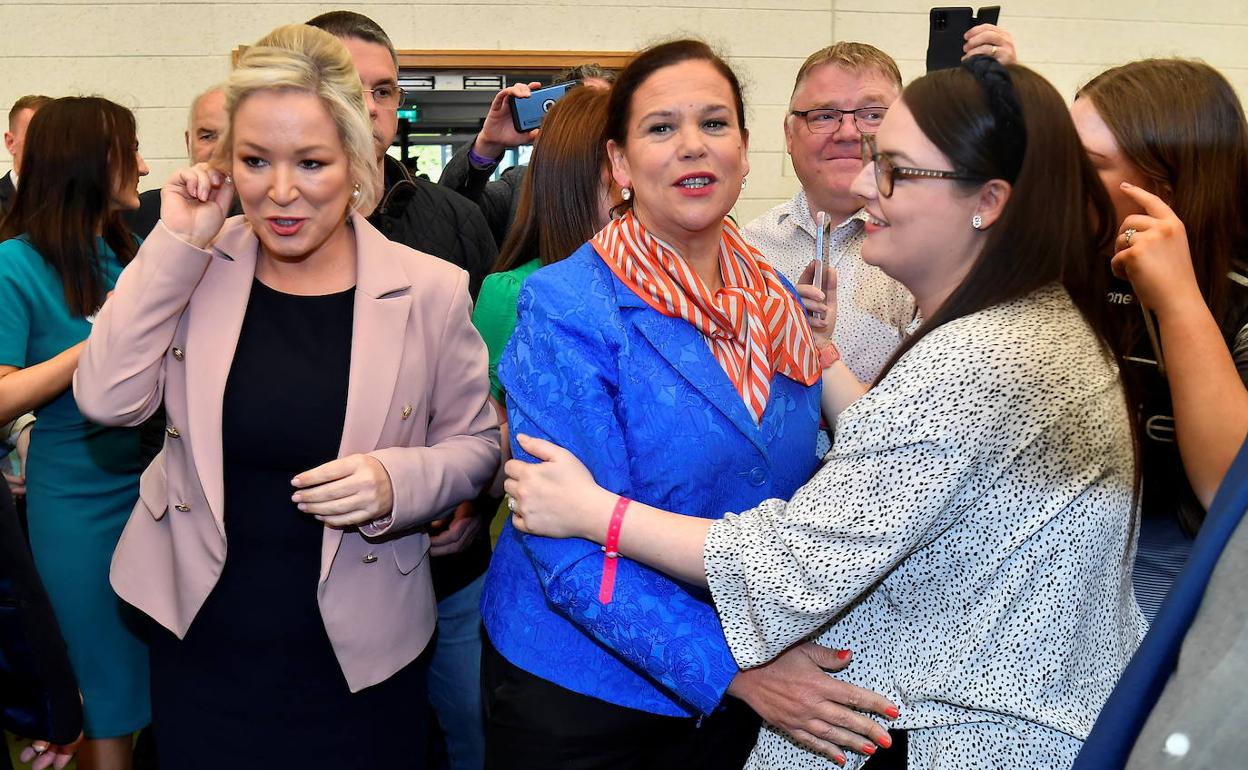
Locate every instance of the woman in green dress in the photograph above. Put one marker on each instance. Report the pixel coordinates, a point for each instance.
(62, 247)
(566, 197)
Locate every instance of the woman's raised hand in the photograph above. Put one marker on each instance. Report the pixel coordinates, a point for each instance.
(556, 497)
(990, 40)
(194, 203)
(1156, 258)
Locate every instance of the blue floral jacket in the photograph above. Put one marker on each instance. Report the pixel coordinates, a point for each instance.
(641, 400)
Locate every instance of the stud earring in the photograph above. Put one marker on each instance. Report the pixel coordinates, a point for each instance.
(626, 194)
(355, 194)
(977, 222)
(744, 179)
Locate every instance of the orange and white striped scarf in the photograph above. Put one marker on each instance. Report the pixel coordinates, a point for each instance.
(755, 326)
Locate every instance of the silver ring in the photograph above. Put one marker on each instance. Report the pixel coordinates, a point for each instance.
(1130, 233)
(39, 752)
(511, 503)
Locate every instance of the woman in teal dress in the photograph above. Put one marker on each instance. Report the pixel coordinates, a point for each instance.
(566, 197)
(62, 248)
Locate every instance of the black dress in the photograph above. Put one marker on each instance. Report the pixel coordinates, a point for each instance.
(255, 683)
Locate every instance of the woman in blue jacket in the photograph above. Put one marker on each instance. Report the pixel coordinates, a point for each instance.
(679, 366)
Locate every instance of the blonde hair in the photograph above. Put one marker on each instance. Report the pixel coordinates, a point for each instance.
(297, 57)
(855, 57)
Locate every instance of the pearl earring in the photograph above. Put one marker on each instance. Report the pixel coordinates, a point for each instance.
(977, 222)
(743, 181)
(626, 194)
(355, 194)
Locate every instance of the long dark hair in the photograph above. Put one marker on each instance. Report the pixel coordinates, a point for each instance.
(1180, 123)
(77, 150)
(650, 61)
(561, 195)
(1009, 123)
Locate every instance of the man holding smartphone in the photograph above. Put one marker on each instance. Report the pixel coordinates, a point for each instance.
(841, 92)
(469, 170)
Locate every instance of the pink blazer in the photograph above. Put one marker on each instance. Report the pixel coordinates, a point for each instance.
(417, 401)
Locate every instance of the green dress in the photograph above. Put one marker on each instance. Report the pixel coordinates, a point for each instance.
(82, 481)
(495, 315)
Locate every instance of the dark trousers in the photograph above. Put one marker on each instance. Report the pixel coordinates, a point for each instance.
(533, 724)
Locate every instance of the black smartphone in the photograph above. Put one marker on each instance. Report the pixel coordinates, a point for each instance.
(527, 113)
(947, 28)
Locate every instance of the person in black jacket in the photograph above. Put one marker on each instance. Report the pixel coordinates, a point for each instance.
(19, 117)
(433, 219)
(38, 692)
(469, 170)
(412, 211)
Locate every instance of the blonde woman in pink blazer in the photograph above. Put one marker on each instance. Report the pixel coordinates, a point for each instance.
(326, 394)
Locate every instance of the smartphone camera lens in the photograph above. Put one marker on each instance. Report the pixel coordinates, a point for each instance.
(546, 105)
(941, 21)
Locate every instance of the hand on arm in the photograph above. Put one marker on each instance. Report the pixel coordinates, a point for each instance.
(990, 40)
(497, 132)
(558, 498)
(1210, 402)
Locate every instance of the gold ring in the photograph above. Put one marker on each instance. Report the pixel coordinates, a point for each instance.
(1129, 233)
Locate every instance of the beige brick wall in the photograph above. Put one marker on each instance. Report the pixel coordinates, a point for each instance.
(154, 56)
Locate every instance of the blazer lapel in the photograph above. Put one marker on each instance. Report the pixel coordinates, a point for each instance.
(215, 321)
(686, 350)
(383, 304)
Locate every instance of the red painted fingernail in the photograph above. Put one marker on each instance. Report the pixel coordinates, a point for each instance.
(868, 749)
(839, 759)
(891, 712)
(886, 741)
(842, 654)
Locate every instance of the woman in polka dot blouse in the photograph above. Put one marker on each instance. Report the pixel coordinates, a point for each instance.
(969, 537)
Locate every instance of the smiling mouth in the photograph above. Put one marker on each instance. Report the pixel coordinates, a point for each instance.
(874, 220)
(695, 182)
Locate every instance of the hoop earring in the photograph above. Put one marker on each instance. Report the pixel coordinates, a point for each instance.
(626, 193)
(977, 222)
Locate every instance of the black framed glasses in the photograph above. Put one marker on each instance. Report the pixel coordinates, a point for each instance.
(826, 120)
(388, 96)
(887, 172)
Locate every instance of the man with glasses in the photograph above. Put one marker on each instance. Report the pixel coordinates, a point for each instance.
(842, 92)
(411, 210)
(437, 221)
